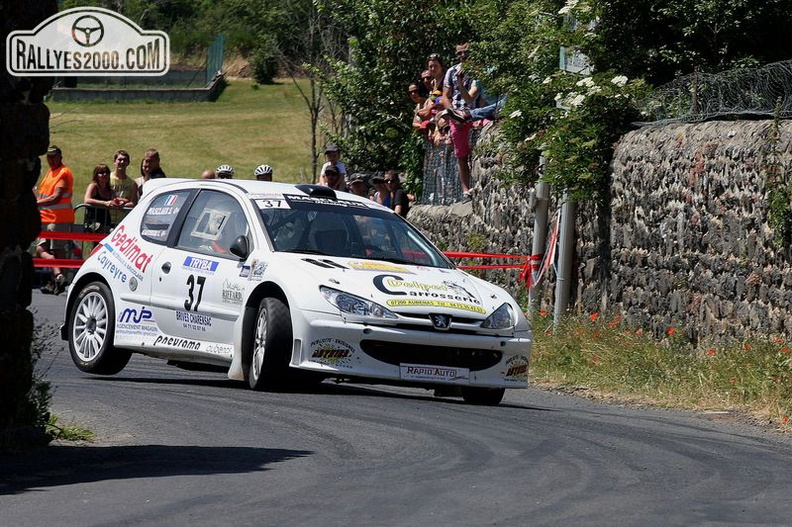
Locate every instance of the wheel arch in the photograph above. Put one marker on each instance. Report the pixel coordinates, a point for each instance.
(264, 290)
(78, 285)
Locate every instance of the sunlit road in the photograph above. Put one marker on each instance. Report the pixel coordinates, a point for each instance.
(184, 448)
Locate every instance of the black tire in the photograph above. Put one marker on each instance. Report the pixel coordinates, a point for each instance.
(91, 331)
(271, 347)
(483, 396)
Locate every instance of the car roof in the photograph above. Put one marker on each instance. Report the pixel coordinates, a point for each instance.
(254, 188)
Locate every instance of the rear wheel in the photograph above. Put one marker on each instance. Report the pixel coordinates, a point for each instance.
(272, 343)
(91, 331)
(483, 396)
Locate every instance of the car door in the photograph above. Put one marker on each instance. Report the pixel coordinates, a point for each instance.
(197, 290)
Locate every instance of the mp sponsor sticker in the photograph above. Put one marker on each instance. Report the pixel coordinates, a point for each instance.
(135, 322)
(87, 42)
(200, 265)
(332, 351)
(193, 321)
(420, 372)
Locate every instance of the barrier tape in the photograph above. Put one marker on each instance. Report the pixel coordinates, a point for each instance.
(525, 274)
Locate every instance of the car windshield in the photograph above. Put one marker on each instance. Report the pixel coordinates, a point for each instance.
(338, 227)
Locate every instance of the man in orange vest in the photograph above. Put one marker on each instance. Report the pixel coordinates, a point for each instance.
(54, 201)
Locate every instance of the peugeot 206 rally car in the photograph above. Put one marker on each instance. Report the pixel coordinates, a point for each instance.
(278, 284)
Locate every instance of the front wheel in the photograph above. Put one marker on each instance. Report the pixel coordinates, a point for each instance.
(91, 330)
(483, 396)
(272, 344)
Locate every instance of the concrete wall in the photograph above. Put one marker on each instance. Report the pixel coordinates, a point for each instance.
(686, 243)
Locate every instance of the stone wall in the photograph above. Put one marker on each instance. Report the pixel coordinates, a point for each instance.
(686, 242)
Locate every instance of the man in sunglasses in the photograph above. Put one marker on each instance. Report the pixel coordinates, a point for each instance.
(460, 92)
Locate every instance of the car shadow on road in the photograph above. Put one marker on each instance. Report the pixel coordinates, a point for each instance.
(60, 465)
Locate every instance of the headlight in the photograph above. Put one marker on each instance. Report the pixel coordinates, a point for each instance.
(502, 318)
(354, 305)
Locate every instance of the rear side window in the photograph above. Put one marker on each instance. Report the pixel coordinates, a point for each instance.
(161, 214)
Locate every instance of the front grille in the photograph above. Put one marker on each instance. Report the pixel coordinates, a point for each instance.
(395, 354)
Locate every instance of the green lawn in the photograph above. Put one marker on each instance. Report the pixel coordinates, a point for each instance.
(245, 127)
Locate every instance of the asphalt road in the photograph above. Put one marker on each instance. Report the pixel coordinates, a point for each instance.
(182, 448)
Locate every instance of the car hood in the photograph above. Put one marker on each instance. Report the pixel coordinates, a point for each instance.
(402, 288)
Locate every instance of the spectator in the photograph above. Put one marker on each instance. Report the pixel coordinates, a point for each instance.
(358, 186)
(460, 92)
(224, 172)
(208, 174)
(428, 81)
(422, 113)
(434, 64)
(331, 177)
(399, 199)
(123, 186)
(263, 173)
(100, 198)
(381, 193)
(332, 153)
(489, 112)
(54, 200)
(149, 169)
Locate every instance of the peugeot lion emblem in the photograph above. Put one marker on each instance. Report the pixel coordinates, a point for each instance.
(441, 321)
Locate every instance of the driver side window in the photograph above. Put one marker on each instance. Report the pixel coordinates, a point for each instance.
(214, 221)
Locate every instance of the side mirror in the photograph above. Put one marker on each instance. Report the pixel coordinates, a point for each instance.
(240, 247)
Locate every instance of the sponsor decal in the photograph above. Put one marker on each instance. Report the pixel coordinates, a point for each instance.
(244, 272)
(176, 342)
(419, 372)
(87, 41)
(257, 268)
(220, 349)
(193, 321)
(232, 293)
(106, 264)
(136, 322)
(517, 369)
(200, 265)
(163, 211)
(128, 249)
(331, 351)
(378, 266)
(392, 284)
(317, 200)
(434, 303)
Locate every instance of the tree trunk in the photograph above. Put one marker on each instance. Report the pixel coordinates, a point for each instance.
(24, 134)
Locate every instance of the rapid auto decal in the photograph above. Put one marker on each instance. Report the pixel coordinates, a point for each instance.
(193, 321)
(200, 265)
(420, 372)
(129, 251)
(391, 284)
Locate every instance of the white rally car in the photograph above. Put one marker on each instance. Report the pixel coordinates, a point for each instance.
(282, 284)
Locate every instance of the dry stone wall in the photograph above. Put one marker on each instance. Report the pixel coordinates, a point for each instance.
(686, 242)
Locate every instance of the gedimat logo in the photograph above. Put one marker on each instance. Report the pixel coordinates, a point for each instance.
(90, 42)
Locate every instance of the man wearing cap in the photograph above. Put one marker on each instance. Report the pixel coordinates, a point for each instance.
(332, 153)
(54, 200)
(358, 186)
(331, 177)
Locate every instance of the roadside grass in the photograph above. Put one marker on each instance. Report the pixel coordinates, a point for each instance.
(68, 432)
(599, 358)
(248, 125)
